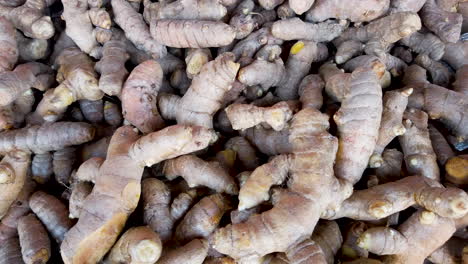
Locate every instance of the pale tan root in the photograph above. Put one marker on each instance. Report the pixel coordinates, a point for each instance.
(264, 73)
(197, 172)
(355, 11)
(310, 91)
(79, 192)
(8, 45)
(10, 252)
(440, 145)
(41, 167)
(34, 240)
(450, 253)
(193, 252)
(295, 28)
(347, 50)
(245, 153)
(89, 170)
(328, 237)
(182, 203)
(350, 249)
(270, 4)
(192, 10)
(138, 245)
(337, 82)
(300, 6)
(195, 60)
(268, 141)
(112, 67)
(390, 170)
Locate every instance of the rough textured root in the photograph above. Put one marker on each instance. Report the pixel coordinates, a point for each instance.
(220, 260)
(327, 235)
(40, 139)
(193, 252)
(268, 52)
(350, 249)
(456, 170)
(336, 81)
(8, 45)
(63, 161)
(461, 80)
(404, 244)
(386, 199)
(284, 11)
(382, 32)
(307, 251)
(203, 218)
(300, 206)
(139, 97)
(446, 25)
(263, 73)
(195, 60)
(347, 50)
(182, 203)
(355, 11)
(137, 245)
(415, 74)
(198, 172)
(390, 169)
(295, 28)
(192, 10)
(310, 91)
(243, 116)
(247, 47)
(245, 152)
(270, 4)
(119, 190)
(397, 6)
(135, 29)
(301, 56)
(156, 202)
(456, 54)
(13, 174)
(428, 44)
(30, 18)
(79, 27)
(450, 252)
(420, 158)
(440, 145)
(268, 141)
(19, 208)
(34, 240)
(439, 72)
(192, 33)
(391, 126)
(32, 49)
(358, 121)
(112, 67)
(41, 167)
(15, 83)
(10, 252)
(95, 149)
(204, 97)
(52, 213)
(79, 192)
(300, 6)
(403, 53)
(92, 110)
(393, 64)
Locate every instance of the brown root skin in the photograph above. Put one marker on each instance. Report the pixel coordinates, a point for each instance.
(456, 170)
(245, 152)
(34, 240)
(355, 11)
(89, 170)
(446, 25)
(428, 44)
(404, 245)
(197, 172)
(328, 237)
(440, 74)
(386, 199)
(300, 205)
(193, 252)
(192, 10)
(41, 167)
(307, 251)
(92, 110)
(310, 91)
(10, 252)
(391, 126)
(138, 245)
(95, 149)
(420, 158)
(268, 141)
(13, 174)
(203, 218)
(8, 45)
(390, 169)
(456, 54)
(181, 33)
(461, 83)
(135, 29)
(336, 81)
(440, 145)
(252, 43)
(450, 253)
(263, 73)
(79, 192)
(347, 50)
(119, 190)
(30, 18)
(112, 67)
(182, 203)
(139, 97)
(295, 28)
(63, 161)
(350, 249)
(112, 114)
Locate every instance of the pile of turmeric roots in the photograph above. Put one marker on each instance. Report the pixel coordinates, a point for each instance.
(233, 131)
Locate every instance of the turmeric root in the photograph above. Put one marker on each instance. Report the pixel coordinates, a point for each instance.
(193, 252)
(252, 43)
(195, 60)
(390, 169)
(404, 244)
(203, 99)
(130, 155)
(243, 116)
(136, 30)
(358, 122)
(347, 50)
(420, 158)
(300, 206)
(40, 139)
(32, 49)
(427, 44)
(203, 218)
(92, 110)
(461, 80)
(440, 145)
(457, 171)
(52, 213)
(63, 161)
(268, 141)
(446, 25)
(270, 4)
(139, 97)
(310, 91)
(34, 240)
(350, 249)
(394, 104)
(439, 72)
(198, 172)
(386, 199)
(263, 73)
(355, 11)
(192, 33)
(328, 237)
(137, 245)
(79, 192)
(112, 114)
(10, 252)
(112, 67)
(295, 28)
(192, 9)
(9, 48)
(456, 54)
(13, 172)
(245, 153)
(41, 167)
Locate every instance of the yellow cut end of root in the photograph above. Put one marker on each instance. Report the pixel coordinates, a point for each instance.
(364, 241)
(146, 251)
(427, 217)
(229, 156)
(297, 47)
